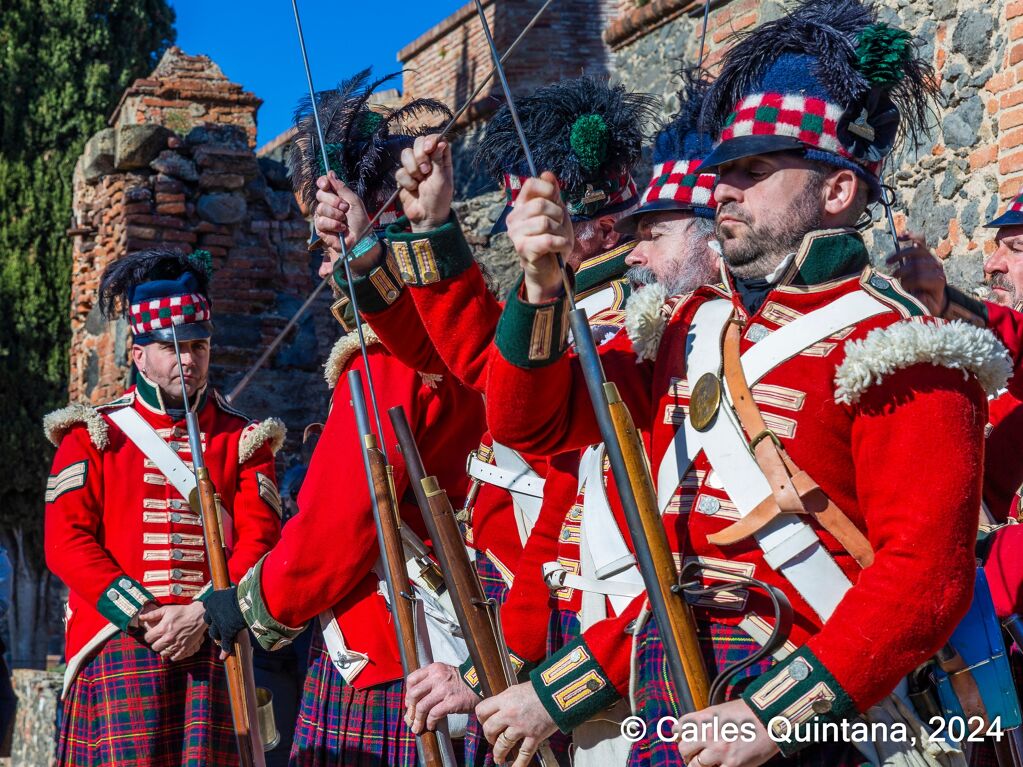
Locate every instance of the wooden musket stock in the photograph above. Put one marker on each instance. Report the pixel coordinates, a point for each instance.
(392, 555)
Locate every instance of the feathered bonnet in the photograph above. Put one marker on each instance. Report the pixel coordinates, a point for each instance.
(827, 79)
(155, 289)
(586, 131)
(678, 182)
(363, 144)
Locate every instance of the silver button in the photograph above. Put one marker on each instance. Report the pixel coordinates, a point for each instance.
(175, 516)
(176, 554)
(175, 573)
(593, 685)
(709, 505)
(879, 282)
(113, 594)
(175, 538)
(176, 504)
(821, 706)
(757, 332)
(176, 589)
(799, 670)
(392, 294)
(124, 583)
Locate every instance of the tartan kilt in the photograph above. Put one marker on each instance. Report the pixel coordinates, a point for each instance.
(130, 706)
(493, 584)
(722, 646)
(562, 629)
(340, 726)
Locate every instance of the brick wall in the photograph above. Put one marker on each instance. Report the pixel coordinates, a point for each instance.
(155, 179)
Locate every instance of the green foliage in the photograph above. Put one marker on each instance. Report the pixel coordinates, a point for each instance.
(883, 52)
(589, 139)
(63, 67)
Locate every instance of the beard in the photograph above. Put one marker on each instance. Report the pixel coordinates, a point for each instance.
(767, 243)
(684, 276)
(1001, 281)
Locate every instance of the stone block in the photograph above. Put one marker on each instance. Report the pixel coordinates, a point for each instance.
(213, 180)
(174, 164)
(281, 203)
(222, 208)
(276, 173)
(98, 156)
(139, 145)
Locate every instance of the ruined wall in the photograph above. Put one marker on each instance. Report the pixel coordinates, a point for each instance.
(168, 174)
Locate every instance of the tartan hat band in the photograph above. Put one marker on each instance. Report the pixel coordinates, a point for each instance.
(813, 122)
(160, 313)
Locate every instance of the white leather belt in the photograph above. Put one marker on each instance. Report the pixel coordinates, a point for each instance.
(512, 481)
(557, 577)
(790, 546)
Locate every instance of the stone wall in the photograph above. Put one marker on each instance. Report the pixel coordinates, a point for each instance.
(163, 175)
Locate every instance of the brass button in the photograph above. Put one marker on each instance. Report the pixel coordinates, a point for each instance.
(821, 706)
(704, 401)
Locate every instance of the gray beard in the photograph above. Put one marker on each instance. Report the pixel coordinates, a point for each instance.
(689, 274)
(767, 245)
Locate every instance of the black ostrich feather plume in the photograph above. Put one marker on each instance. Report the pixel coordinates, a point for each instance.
(121, 277)
(363, 143)
(681, 137)
(831, 30)
(564, 136)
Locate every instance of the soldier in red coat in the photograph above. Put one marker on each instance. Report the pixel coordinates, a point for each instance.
(325, 567)
(143, 685)
(592, 138)
(806, 365)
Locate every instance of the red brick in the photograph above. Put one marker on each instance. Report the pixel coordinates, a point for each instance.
(1011, 139)
(1016, 54)
(172, 209)
(1010, 118)
(1013, 163)
(982, 157)
(1014, 9)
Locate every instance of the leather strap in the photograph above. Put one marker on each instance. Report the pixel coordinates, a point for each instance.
(963, 683)
(793, 491)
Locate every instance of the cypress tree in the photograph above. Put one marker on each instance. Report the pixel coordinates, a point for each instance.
(63, 67)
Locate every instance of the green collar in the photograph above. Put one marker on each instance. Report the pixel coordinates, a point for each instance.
(826, 255)
(150, 395)
(603, 268)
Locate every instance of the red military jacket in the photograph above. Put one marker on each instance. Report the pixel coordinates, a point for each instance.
(461, 317)
(118, 534)
(894, 439)
(326, 556)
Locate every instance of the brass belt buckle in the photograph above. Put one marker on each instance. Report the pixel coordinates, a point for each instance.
(704, 401)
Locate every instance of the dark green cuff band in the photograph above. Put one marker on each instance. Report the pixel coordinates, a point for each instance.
(122, 600)
(532, 335)
(572, 686)
(468, 672)
(206, 591)
(795, 694)
(269, 632)
(374, 291)
(424, 258)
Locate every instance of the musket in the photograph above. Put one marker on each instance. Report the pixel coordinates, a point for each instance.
(401, 602)
(477, 616)
(631, 470)
(204, 500)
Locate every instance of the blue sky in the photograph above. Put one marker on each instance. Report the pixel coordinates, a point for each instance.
(255, 43)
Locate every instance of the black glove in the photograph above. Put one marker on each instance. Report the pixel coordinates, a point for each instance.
(224, 617)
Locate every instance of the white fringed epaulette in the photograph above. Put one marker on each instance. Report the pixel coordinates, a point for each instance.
(257, 433)
(58, 423)
(343, 350)
(646, 316)
(956, 345)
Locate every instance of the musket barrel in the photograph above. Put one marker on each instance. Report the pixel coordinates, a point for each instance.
(392, 555)
(626, 454)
